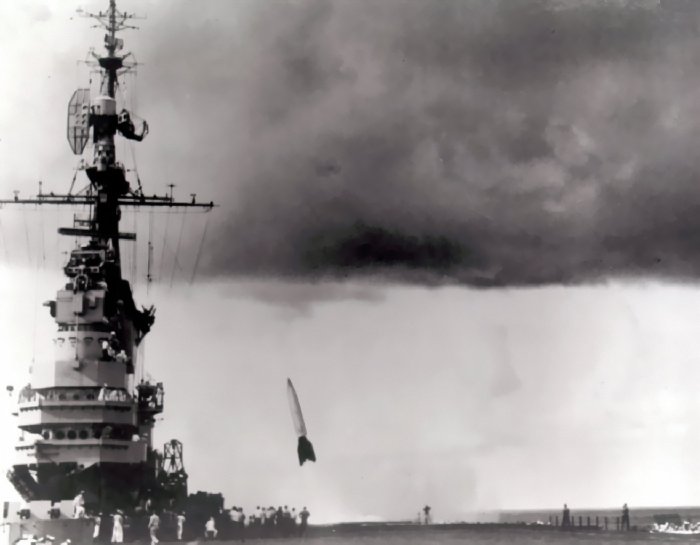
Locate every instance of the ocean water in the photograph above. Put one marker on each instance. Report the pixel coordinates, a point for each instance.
(473, 536)
(504, 528)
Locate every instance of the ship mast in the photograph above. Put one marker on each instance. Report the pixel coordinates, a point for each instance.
(109, 191)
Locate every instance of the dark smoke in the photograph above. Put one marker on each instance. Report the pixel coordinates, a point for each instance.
(481, 142)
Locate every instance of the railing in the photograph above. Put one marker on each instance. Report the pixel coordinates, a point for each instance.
(75, 402)
(70, 404)
(597, 522)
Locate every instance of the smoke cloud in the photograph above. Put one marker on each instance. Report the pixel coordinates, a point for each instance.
(487, 143)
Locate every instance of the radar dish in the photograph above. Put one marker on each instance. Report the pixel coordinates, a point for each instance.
(79, 120)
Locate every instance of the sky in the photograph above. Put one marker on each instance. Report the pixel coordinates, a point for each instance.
(465, 229)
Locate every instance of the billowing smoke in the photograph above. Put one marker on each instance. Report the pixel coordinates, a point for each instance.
(479, 142)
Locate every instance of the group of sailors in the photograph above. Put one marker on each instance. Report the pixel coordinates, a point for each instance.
(112, 350)
(263, 522)
(119, 523)
(112, 394)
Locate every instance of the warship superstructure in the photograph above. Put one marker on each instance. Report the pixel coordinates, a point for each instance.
(85, 421)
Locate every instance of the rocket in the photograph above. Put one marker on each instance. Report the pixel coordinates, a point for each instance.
(305, 449)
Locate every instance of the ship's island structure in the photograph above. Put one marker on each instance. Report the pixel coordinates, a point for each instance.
(85, 422)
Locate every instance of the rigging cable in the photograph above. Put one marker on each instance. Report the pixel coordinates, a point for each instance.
(162, 252)
(4, 243)
(149, 255)
(26, 233)
(199, 250)
(43, 242)
(57, 251)
(36, 296)
(177, 248)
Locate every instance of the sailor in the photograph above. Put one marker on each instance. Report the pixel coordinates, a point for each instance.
(565, 517)
(270, 517)
(234, 516)
(81, 283)
(153, 525)
(96, 528)
(180, 525)
(257, 517)
(210, 531)
(106, 350)
(118, 527)
(286, 521)
(625, 521)
(79, 505)
(241, 524)
(102, 396)
(279, 520)
(113, 344)
(54, 511)
(304, 517)
(426, 512)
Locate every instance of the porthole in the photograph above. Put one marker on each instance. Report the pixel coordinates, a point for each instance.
(60, 435)
(46, 434)
(62, 397)
(83, 434)
(71, 434)
(76, 397)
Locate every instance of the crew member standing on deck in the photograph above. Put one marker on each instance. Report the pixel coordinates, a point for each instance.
(262, 514)
(180, 525)
(286, 522)
(241, 523)
(118, 527)
(96, 528)
(210, 531)
(153, 525)
(304, 517)
(565, 517)
(270, 519)
(79, 505)
(625, 522)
